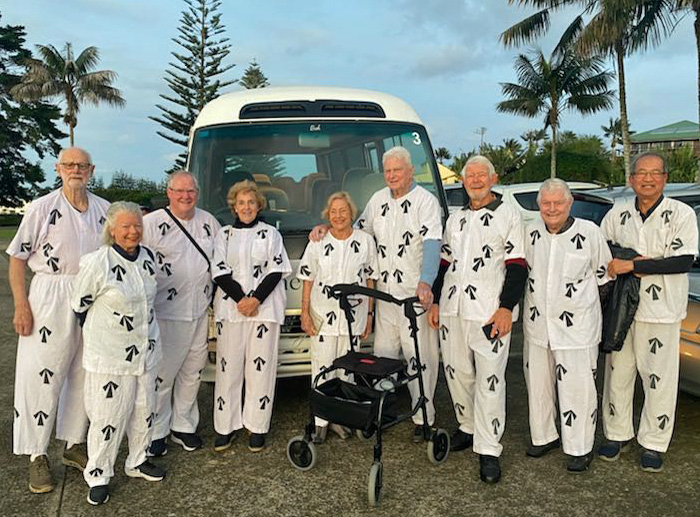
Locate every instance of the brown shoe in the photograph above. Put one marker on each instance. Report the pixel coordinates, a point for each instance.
(40, 480)
(76, 456)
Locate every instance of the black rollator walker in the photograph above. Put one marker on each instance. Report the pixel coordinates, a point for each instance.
(371, 404)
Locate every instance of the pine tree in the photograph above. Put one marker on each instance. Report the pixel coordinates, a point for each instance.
(23, 127)
(253, 77)
(194, 77)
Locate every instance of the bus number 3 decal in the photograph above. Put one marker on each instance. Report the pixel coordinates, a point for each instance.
(416, 138)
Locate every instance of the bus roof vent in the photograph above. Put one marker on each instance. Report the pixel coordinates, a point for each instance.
(304, 109)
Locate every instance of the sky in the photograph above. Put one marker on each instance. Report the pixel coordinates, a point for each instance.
(441, 56)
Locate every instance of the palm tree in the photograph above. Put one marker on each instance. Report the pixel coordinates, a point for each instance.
(532, 137)
(566, 81)
(694, 6)
(617, 28)
(613, 131)
(441, 154)
(60, 74)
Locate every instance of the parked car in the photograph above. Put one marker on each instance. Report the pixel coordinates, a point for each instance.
(688, 193)
(524, 196)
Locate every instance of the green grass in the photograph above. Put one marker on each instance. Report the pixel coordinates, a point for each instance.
(7, 232)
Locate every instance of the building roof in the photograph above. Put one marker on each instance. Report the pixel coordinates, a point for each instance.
(683, 130)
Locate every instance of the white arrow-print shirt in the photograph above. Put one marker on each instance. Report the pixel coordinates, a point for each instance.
(400, 226)
(477, 244)
(184, 282)
(331, 261)
(562, 305)
(53, 235)
(670, 231)
(120, 334)
(249, 255)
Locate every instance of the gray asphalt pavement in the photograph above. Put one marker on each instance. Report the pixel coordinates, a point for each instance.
(240, 483)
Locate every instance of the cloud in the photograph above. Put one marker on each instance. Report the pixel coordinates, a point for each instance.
(444, 61)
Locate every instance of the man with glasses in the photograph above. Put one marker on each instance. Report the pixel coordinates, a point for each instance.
(55, 232)
(480, 282)
(664, 232)
(182, 238)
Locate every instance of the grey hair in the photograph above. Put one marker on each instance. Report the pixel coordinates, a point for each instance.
(480, 160)
(60, 154)
(398, 152)
(555, 185)
(649, 154)
(111, 217)
(182, 172)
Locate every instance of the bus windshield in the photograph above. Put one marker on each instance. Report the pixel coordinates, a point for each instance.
(297, 165)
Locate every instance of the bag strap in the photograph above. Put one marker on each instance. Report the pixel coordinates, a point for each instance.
(187, 234)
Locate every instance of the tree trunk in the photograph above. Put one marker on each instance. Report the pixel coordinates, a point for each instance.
(71, 132)
(626, 144)
(553, 164)
(697, 45)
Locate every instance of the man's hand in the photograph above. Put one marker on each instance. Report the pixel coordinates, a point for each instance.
(424, 294)
(619, 267)
(318, 232)
(23, 320)
(248, 306)
(434, 316)
(502, 321)
(307, 324)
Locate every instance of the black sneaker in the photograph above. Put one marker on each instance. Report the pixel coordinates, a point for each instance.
(256, 442)
(579, 464)
(98, 495)
(489, 469)
(147, 471)
(537, 451)
(611, 450)
(157, 448)
(189, 441)
(651, 461)
(223, 441)
(417, 435)
(461, 440)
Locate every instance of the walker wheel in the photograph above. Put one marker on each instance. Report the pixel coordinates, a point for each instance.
(363, 435)
(374, 485)
(301, 453)
(438, 446)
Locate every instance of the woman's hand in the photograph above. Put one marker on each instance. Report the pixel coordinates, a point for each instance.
(248, 306)
(434, 316)
(307, 324)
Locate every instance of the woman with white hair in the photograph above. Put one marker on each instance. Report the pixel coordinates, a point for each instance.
(113, 297)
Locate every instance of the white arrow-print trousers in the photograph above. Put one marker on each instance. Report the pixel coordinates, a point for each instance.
(184, 356)
(245, 351)
(475, 369)
(325, 350)
(49, 374)
(117, 404)
(569, 376)
(652, 350)
(392, 336)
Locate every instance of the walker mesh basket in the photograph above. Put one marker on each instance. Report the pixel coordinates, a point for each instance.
(350, 405)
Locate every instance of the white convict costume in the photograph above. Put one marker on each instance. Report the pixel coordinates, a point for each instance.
(562, 323)
(246, 348)
(49, 375)
(652, 343)
(477, 245)
(400, 227)
(184, 292)
(121, 355)
(328, 262)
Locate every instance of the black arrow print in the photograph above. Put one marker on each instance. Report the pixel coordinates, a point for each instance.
(398, 275)
(261, 329)
(496, 425)
(676, 244)
(655, 344)
(405, 205)
(151, 344)
(402, 250)
(509, 247)
(207, 229)
(107, 431)
(414, 365)
(471, 291)
(570, 289)
(355, 245)
(86, 300)
(220, 403)
(54, 216)
(53, 263)
(570, 416)
(219, 326)
(663, 420)
(462, 222)
(45, 333)
(533, 313)
(264, 401)
(257, 270)
(450, 371)
(534, 235)
(492, 380)
(654, 290)
(486, 218)
(443, 332)
(361, 224)
(382, 250)
(487, 251)
(259, 363)
(624, 216)
(369, 271)
(25, 247)
(223, 363)
(497, 344)
(96, 472)
(149, 419)
(578, 239)
(47, 249)
(594, 416)
(163, 227)
(451, 292)
(110, 388)
(148, 266)
(118, 272)
(172, 293)
(600, 272)
(385, 276)
(531, 285)
(611, 409)
(407, 236)
(328, 248)
(331, 317)
(305, 270)
(561, 371)
(666, 214)
(385, 209)
(653, 380)
(568, 317)
(445, 248)
(46, 374)
(40, 416)
(423, 230)
(262, 233)
(167, 268)
(459, 409)
(160, 257)
(131, 351)
(478, 262)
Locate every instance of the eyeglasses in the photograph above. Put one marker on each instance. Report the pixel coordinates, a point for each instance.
(81, 166)
(179, 191)
(647, 174)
